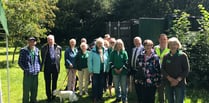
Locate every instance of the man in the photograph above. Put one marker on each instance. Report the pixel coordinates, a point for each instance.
(29, 61)
(51, 56)
(135, 52)
(161, 50)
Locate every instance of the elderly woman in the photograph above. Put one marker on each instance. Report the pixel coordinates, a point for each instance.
(97, 62)
(175, 68)
(81, 65)
(147, 74)
(118, 64)
(70, 54)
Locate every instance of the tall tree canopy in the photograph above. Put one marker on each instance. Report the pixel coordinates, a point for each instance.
(29, 18)
(81, 18)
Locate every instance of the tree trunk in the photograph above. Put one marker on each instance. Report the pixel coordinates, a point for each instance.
(13, 55)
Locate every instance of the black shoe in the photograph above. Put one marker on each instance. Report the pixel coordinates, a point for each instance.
(53, 97)
(101, 99)
(49, 100)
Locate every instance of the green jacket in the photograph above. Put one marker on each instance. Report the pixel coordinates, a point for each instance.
(118, 61)
(81, 60)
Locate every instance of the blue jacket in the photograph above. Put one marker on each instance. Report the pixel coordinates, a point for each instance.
(94, 64)
(70, 57)
(27, 63)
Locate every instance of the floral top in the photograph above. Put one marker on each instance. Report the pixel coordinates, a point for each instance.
(147, 71)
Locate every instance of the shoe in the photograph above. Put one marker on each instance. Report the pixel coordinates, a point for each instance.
(101, 99)
(125, 102)
(49, 100)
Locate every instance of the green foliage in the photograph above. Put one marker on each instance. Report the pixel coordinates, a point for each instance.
(196, 45)
(181, 26)
(29, 18)
(81, 18)
(199, 53)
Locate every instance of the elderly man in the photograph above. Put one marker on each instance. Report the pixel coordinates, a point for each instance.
(29, 61)
(135, 52)
(51, 56)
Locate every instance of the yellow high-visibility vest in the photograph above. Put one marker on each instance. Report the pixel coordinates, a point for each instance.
(161, 54)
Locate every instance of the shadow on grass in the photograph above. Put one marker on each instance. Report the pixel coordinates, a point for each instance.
(3, 64)
(10, 53)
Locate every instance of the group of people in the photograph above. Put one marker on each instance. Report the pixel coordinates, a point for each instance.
(32, 61)
(162, 68)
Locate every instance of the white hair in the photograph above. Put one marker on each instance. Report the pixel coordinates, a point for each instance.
(100, 40)
(50, 36)
(83, 44)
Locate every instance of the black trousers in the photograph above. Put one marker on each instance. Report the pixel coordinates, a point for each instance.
(97, 85)
(50, 76)
(145, 94)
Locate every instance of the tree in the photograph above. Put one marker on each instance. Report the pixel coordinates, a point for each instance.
(133, 9)
(29, 18)
(81, 18)
(196, 45)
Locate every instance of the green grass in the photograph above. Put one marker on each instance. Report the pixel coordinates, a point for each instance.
(16, 75)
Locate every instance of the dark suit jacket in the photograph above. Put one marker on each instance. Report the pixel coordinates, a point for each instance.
(58, 55)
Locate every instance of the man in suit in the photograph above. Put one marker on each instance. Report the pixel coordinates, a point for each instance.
(51, 56)
(135, 52)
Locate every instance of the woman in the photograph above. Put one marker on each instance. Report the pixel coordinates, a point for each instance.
(97, 62)
(175, 68)
(106, 45)
(70, 54)
(147, 76)
(118, 64)
(110, 77)
(81, 66)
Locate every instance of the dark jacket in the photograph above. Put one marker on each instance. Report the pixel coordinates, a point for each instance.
(148, 70)
(30, 65)
(176, 65)
(70, 57)
(81, 60)
(45, 59)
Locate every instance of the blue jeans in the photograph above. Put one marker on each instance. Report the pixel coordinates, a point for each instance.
(175, 94)
(120, 81)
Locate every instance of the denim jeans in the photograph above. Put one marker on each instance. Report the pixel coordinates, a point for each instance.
(175, 94)
(120, 81)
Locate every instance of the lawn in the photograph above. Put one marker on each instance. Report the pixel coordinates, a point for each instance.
(16, 75)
